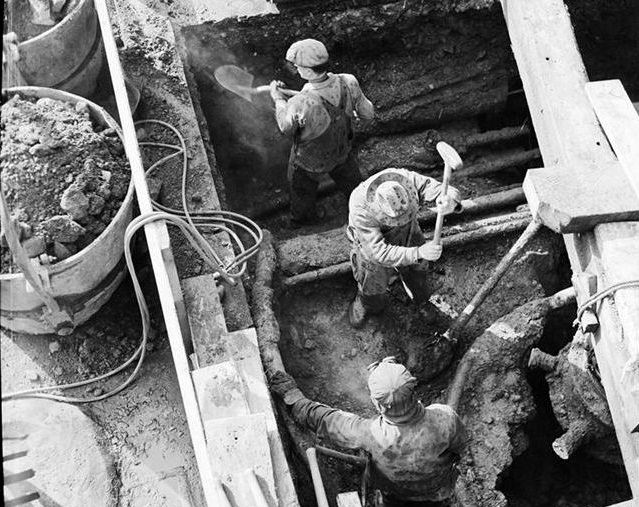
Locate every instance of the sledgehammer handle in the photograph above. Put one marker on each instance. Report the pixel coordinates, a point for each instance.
(439, 223)
(452, 162)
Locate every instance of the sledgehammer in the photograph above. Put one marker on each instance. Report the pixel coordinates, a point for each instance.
(452, 162)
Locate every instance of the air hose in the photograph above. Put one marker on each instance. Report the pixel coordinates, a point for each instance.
(188, 223)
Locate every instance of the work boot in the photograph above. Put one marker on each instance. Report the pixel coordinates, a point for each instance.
(357, 312)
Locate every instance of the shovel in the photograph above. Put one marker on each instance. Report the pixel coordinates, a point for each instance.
(240, 82)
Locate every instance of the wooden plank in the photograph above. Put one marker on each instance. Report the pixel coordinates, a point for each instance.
(157, 237)
(575, 199)
(206, 319)
(619, 247)
(569, 135)
(627, 503)
(236, 444)
(350, 499)
(243, 345)
(220, 391)
(620, 122)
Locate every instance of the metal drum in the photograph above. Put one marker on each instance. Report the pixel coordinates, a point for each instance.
(80, 284)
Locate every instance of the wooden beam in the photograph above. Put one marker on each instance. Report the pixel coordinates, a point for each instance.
(157, 238)
(575, 199)
(569, 135)
(620, 122)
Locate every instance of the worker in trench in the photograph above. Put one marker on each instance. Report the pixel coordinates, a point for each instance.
(320, 120)
(386, 238)
(414, 449)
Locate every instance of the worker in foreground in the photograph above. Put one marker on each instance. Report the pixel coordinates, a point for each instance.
(385, 235)
(414, 449)
(319, 119)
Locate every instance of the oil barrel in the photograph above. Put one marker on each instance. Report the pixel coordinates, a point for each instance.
(82, 283)
(68, 56)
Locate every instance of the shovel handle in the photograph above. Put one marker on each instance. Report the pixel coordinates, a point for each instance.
(266, 88)
(437, 235)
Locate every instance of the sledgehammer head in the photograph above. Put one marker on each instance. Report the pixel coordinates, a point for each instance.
(449, 155)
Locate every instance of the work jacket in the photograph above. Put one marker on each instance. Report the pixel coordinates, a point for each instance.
(413, 460)
(390, 245)
(319, 118)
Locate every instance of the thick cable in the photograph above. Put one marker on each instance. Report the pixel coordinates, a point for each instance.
(593, 300)
(219, 220)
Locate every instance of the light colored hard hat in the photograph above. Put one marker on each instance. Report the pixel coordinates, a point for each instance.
(392, 199)
(307, 53)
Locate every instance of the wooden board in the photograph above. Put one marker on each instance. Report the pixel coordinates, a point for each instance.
(569, 135)
(620, 122)
(350, 499)
(220, 391)
(243, 345)
(575, 199)
(206, 319)
(236, 444)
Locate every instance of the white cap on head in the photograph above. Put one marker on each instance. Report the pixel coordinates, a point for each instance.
(307, 53)
(392, 199)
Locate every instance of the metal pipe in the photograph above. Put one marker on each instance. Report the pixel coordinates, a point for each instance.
(460, 322)
(513, 222)
(318, 484)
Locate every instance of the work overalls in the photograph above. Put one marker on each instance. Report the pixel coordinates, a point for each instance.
(330, 153)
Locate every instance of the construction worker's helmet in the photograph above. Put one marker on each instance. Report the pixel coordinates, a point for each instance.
(307, 53)
(392, 199)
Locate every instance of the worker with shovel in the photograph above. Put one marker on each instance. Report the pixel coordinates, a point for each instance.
(414, 449)
(320, 120)
(386, 237)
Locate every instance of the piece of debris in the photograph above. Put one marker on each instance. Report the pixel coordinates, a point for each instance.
(54, 347)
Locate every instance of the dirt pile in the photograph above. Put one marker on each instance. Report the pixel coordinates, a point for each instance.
(63, 180)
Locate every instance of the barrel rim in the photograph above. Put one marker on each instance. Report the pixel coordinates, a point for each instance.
(98, 113)
(69, 18)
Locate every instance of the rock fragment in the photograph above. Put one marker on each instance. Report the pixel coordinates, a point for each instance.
(34, 246)
(75, 202)
(61, 228)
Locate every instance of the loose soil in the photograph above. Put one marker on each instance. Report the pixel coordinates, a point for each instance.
(64, 176)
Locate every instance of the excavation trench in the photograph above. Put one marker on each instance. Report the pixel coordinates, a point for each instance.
(435, 71)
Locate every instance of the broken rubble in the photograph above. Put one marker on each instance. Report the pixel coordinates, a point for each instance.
(75, 202)
(61, 228)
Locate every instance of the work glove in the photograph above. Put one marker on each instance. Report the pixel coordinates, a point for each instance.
(284, 386)
(276, 93)
(429, 251)
(448, 203)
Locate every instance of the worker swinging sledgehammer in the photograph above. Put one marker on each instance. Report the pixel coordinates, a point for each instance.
(385, 234)
(414, 449)
(320, 120)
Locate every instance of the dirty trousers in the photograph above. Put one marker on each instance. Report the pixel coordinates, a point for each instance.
(303, 185)
(373, 279)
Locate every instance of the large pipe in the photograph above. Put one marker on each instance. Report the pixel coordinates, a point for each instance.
(483, 167)
(467, 233)
(456, 388)
(480, 168)
(578, 433)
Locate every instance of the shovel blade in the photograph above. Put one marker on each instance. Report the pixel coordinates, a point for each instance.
(235, 80)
